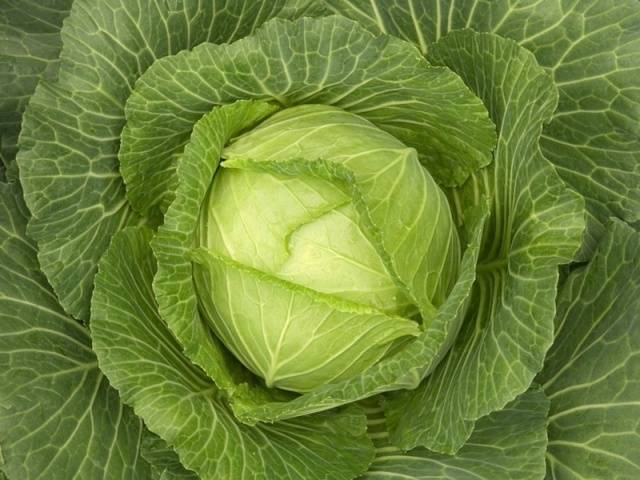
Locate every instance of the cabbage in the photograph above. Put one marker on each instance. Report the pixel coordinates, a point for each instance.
(319, 240)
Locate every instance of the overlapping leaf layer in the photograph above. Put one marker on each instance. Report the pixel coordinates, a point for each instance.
(511, 124)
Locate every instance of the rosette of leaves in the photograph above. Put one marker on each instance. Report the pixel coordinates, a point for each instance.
(319, 240)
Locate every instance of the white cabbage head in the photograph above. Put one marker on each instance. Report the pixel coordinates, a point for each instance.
(311, 240)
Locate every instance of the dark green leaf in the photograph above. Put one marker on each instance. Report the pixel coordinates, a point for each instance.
(59, 418)
(592, 372)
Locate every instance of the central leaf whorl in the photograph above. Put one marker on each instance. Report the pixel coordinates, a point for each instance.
(322, 243)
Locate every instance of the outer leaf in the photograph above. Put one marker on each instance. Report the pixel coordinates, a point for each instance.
(591, 373)
(591, 48)
(29, 47)
(327, 61)
(180, 403)
(507, 445)
(536, 224)
(165, 464)
(59, 418)
(71, 130)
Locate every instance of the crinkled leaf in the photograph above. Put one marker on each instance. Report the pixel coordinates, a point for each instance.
(536, 224)
(328, 61)
(592, 372)
(59, 418)
(181, 404)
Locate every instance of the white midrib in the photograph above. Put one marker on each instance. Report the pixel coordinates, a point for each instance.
(273, 367)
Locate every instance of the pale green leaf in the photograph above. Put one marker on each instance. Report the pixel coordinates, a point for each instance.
(404, 369)
(299, 228)
(298, 339)
(174, 288)
(402, 211)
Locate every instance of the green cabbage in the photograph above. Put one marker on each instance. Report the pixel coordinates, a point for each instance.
(333, 239)
(310, 220)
